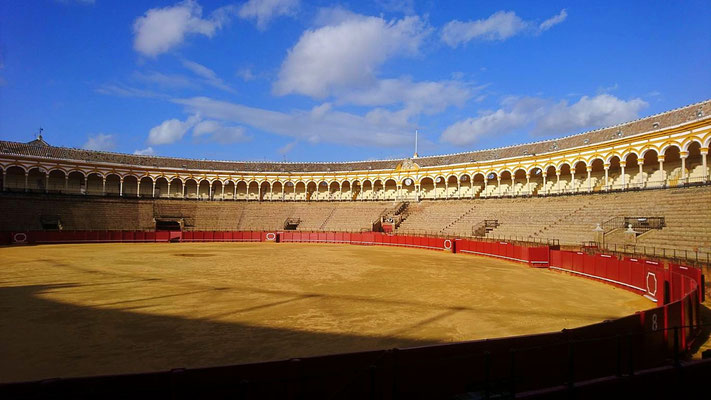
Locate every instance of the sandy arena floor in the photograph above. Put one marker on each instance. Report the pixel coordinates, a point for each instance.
(72, 310)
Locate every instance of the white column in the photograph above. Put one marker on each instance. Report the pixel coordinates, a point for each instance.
(704, 153)
(624, 178)
(557, 180)
(683, 155)
(459, 189)
(282, 191)
(209, 191)
(486, 183)
(660, 158)
(46, 182)
(121, 187)
(513, 182)
(138, 188)
(446, 189)
(640, 162)
(498, 180)
(103, 186)
(607, 172)
(528, 183)
(544, 179)
(169, 182)
(223, 191)
(66, 183)
(589, 168)
(572, 180)
(153, 188)
(471, 186)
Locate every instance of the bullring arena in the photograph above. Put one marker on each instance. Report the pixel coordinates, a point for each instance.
(568, 266)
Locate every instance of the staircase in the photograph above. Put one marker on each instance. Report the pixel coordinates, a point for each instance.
(459, 218)
(573, 216)
(328, 218)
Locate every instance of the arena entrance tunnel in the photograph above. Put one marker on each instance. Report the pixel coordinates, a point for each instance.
(572, 358)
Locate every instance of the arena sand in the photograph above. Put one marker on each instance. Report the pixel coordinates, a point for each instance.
(94, 309)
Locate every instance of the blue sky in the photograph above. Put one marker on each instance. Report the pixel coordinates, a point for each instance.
(316, 80)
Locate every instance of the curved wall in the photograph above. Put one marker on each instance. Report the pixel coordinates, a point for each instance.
(667, 149)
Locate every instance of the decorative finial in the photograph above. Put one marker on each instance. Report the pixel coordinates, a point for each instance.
(39, 135)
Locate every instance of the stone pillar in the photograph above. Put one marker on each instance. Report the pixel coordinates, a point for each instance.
(446, 189)
(209, 191)
(513, 183)
(640, 162)
(544, 180)
(398, 191)
(459, 188)
(498, 182)
(103, 186)
(417, 192)
(66, 183)
(222, 197)
(572, 180)
(557, 180)
(683, 155)
(704, 153)
(589, 168)
(486, 184)
(607, 172)
(169, 183)
(153, 188)
(121, 187)
(46, 182)
(528, 183)
(138, 187)
(624, 178)
(282, 191)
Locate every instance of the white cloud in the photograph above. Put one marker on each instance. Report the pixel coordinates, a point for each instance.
(216, 132)
(172, 130)
(544, 117)
(101, 142)
(148, 151)
(172, 81)
(347, 54)
(504, 120)
(162, 29)
(554, 20)
(320, 124)
(127, 91)
(601, 110)
(246, 74)
(209, 76)
(287, 148)
(427, 96)
(265, 10)
(499, 26)
(403, 6)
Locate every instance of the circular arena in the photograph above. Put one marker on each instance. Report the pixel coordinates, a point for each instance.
(569, 266)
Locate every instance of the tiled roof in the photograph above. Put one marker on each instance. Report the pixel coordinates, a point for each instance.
(659, 121)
